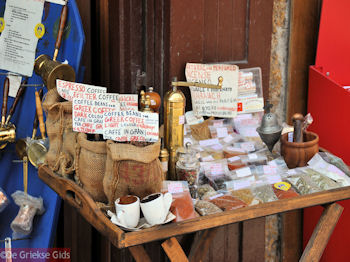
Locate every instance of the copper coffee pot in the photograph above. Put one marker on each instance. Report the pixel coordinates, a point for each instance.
(51, 70)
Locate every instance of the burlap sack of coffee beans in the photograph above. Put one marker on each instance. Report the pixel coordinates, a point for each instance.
(90, 163)
(132, 170)
(60, 157)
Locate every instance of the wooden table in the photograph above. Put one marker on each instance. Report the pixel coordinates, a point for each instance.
(85, 205)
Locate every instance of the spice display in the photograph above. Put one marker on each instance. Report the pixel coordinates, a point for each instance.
(231, 151)
(282, 194)
(264, 193)
(235, 163)
(246, 196)
(336, 161)
(228, 202)
(323, 182)
(220, 131)
(3, 200)
(29, 207)
(182, 206)
(205, 208)
(254, 159)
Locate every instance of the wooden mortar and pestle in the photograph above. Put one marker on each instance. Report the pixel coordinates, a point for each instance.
(303, 147)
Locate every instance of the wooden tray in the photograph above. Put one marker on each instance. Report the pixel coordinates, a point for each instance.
(86, 206)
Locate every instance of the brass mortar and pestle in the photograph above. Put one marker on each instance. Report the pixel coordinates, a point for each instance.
(51, 70)
(7, 129)
(304, 146)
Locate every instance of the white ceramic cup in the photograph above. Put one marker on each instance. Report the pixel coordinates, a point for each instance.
(127, 209)
(155, 207)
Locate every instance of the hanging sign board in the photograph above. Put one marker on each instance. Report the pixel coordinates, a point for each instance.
(213, 102)
(124, 126)
(18, 40)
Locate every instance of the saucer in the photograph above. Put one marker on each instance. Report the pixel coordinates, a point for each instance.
(142, 223)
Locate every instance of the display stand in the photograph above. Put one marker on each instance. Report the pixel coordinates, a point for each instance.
(85, 205)
(11, 172)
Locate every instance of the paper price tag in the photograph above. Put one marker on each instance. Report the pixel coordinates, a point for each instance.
(274, 179)
(235, 149)
(252, 156)
(175, 187)
(217, 147)
(216, 196)
(228, 139)
(237, 185)
(209, 142)
(222, 132)
(270, 170)
(290, 137)
(233, 159)
(291, 172)
(216, 169)
(282, 186)
(243, 172)
(181, 120)
(15, 83)
(248, 146)
(128, 102)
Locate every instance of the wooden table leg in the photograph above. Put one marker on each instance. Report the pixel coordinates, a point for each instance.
(201, 245)
(139, 254)
(322, 233)
(174, 250)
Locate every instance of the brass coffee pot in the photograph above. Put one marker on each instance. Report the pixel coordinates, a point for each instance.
(51, 70)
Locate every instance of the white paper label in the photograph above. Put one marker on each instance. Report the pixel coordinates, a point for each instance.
(228, 139)
(69, 90)
(237, 185)
(216, 169)
(213, 102)
(291, 172)
(290, 137)
(235, 149)
(252, 156)
(60, 2)
(153, 103)
(15, 83)
(216, 196)
(234, 159)
(88, 113)
(128, 102)
(175, 187)
(222, 132)
(181, 120)
(274, 179)
(270, 170)
(207, 159)
(217, 147)
(192, 119)
(209, 142)
(18, 41)
(124, 126)
(164, 166)
(272, 163)
(243, 172)
(248, 146)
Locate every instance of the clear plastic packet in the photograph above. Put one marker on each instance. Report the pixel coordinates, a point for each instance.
(323, 182)
(317, 163)
(231, 139)
(227, 202)
(280, 163)
(210, 153)
(220, 131)
(336, 161)
(286, 192)
(264, 192)
(246, 195)
(231, 151)
(246, 124)
(243, 172)
(4, 201)
(205, 189)
(307, 121)
(217, 122)
(217, 173)
(182, 205)
(242, 183)
(205, 208)
(254, 159)
(248, 147)
(29, 207)
(303, 184)
(235, 163)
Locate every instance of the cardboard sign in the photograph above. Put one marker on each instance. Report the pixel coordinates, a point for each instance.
(214, 102)
(70, 90)
(128, 102)
(131, 126)
(88, 113)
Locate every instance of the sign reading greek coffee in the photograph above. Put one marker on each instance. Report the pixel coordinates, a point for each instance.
(129, 125)
(128, 102)
(88, 113)
(213, 102)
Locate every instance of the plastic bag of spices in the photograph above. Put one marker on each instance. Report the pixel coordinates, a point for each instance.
(264, 192)
(182, 205)
(254, 159)
(205, 208)
(284, 190)
(220, 131)
(323, 182)
(205, 189)
(227, 202)
(243, 172)
(246, 195)
(231, 151)
(334, 160)
(303, 184)
(29, 207)
(217, 173)
(4, 201)
(235, 163)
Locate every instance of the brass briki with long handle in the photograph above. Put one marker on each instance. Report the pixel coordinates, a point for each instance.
(19, 94)
(36, 120)
(39, 112)
(4, 101)
(62, 24)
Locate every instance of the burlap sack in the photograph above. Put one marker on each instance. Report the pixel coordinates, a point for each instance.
(132, 170)
(60, 157)
(90, 162)
(201, 131)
